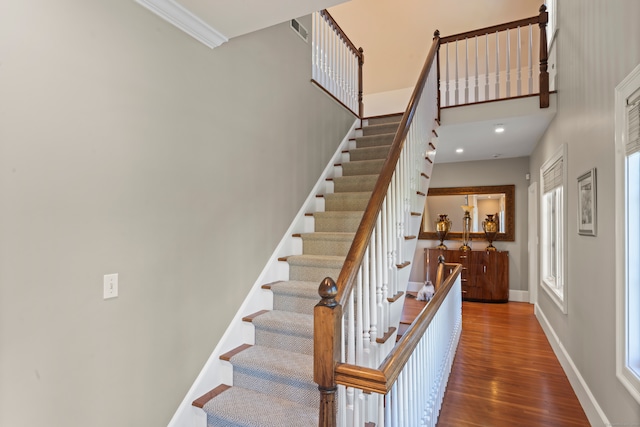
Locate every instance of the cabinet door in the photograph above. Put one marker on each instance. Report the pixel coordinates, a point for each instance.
(496, 281)
(476, 272)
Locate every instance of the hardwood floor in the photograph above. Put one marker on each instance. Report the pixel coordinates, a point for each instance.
(505, 372)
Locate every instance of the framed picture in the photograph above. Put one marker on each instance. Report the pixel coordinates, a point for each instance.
(587, 207)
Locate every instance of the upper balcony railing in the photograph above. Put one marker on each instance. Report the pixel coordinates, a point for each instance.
(336, 63)
(496, 62)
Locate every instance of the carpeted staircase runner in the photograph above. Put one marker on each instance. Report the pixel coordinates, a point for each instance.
(273, 380)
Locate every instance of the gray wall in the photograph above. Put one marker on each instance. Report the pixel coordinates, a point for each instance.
(598, 45)
(489, 172)
(128, 147)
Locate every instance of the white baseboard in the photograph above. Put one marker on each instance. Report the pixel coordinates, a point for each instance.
(414, 286)
(518, 296)
(592, 409)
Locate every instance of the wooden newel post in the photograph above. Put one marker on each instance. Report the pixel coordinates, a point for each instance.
(360, 102)
(327, 316)
(544, 57)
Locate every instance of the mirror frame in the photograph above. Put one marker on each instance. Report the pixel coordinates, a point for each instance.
(510, 211)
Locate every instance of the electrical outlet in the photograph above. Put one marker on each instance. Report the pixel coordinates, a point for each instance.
(110, 286)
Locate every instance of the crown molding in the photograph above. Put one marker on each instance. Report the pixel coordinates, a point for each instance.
(177, 15)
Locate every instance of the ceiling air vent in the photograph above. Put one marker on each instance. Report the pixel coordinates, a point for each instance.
(299, 29)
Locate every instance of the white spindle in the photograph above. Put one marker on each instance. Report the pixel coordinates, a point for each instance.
(486, 67)
(446, 98)
(476, 90)
(519, 65)
(530, 59)
(466, 70)
(508, 63)
(497, 94)
(366, 319)
(456, 99)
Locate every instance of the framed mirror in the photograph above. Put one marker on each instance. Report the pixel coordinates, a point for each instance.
(494, 199)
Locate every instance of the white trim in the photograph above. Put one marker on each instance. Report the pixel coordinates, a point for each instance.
(561, 153)
(533, 242)
(625, 89)
(592, 409)
(518, 296)
(177, 15)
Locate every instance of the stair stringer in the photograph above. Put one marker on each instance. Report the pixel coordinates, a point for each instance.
(215, 371)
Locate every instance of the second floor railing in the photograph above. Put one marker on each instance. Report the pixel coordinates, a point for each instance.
(336, 63)
(496, 62)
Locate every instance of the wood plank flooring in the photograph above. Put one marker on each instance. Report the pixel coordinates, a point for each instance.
(505, 373)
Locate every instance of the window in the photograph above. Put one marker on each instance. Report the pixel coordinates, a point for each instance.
(553, 228)
(628, 235)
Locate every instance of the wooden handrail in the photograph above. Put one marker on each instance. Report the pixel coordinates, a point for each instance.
(492, 29)
(349, 271)
(382, 379)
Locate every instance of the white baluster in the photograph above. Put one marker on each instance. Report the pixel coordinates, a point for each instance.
(486, 67)
(466, 70)
(508, 63)
(456, 100)
(366, 319)
(530, 60)
(476, 87)
(446, 97)
(359, 321)
(519, 65)
(373, 306)
(497, 94)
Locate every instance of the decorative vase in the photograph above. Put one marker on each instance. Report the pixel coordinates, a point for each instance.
(466, 228)
(490, 227)
(443, 225)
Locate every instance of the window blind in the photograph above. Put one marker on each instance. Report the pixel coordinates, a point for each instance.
(633, 124)
(552, 177)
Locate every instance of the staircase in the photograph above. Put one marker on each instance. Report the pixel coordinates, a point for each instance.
(273, 378)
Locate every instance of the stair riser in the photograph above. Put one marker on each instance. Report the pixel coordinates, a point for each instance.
(340, 225)
(284, 341)
(371, 167)
(369, 153)
(325, 247)
(294, 303)
(314, 274)
(380, 129)
(374, 141)
(284, 388)
(348, 184)
(345, 204)
(383, 120)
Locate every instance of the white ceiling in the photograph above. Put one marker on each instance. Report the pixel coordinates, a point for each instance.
(472, 128)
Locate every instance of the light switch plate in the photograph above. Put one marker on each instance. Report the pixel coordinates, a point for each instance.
(110, 286)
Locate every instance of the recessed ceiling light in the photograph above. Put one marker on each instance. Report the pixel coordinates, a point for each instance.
(459, 150)
(499, 129)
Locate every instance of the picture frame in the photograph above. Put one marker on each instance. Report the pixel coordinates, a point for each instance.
(587, 203)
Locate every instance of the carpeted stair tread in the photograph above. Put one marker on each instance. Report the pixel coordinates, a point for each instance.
(362, 167)
(393, 118)
(324, 243)
(241, 407)
(285, 330)
(380, 128)
(369, 153)
(295, 295)
(349, 184)
(375, 140)
(340, 221)
(347, 201)
(328, 261)
(285, 374)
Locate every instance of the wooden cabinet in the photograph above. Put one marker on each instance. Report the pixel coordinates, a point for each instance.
(485, 274)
